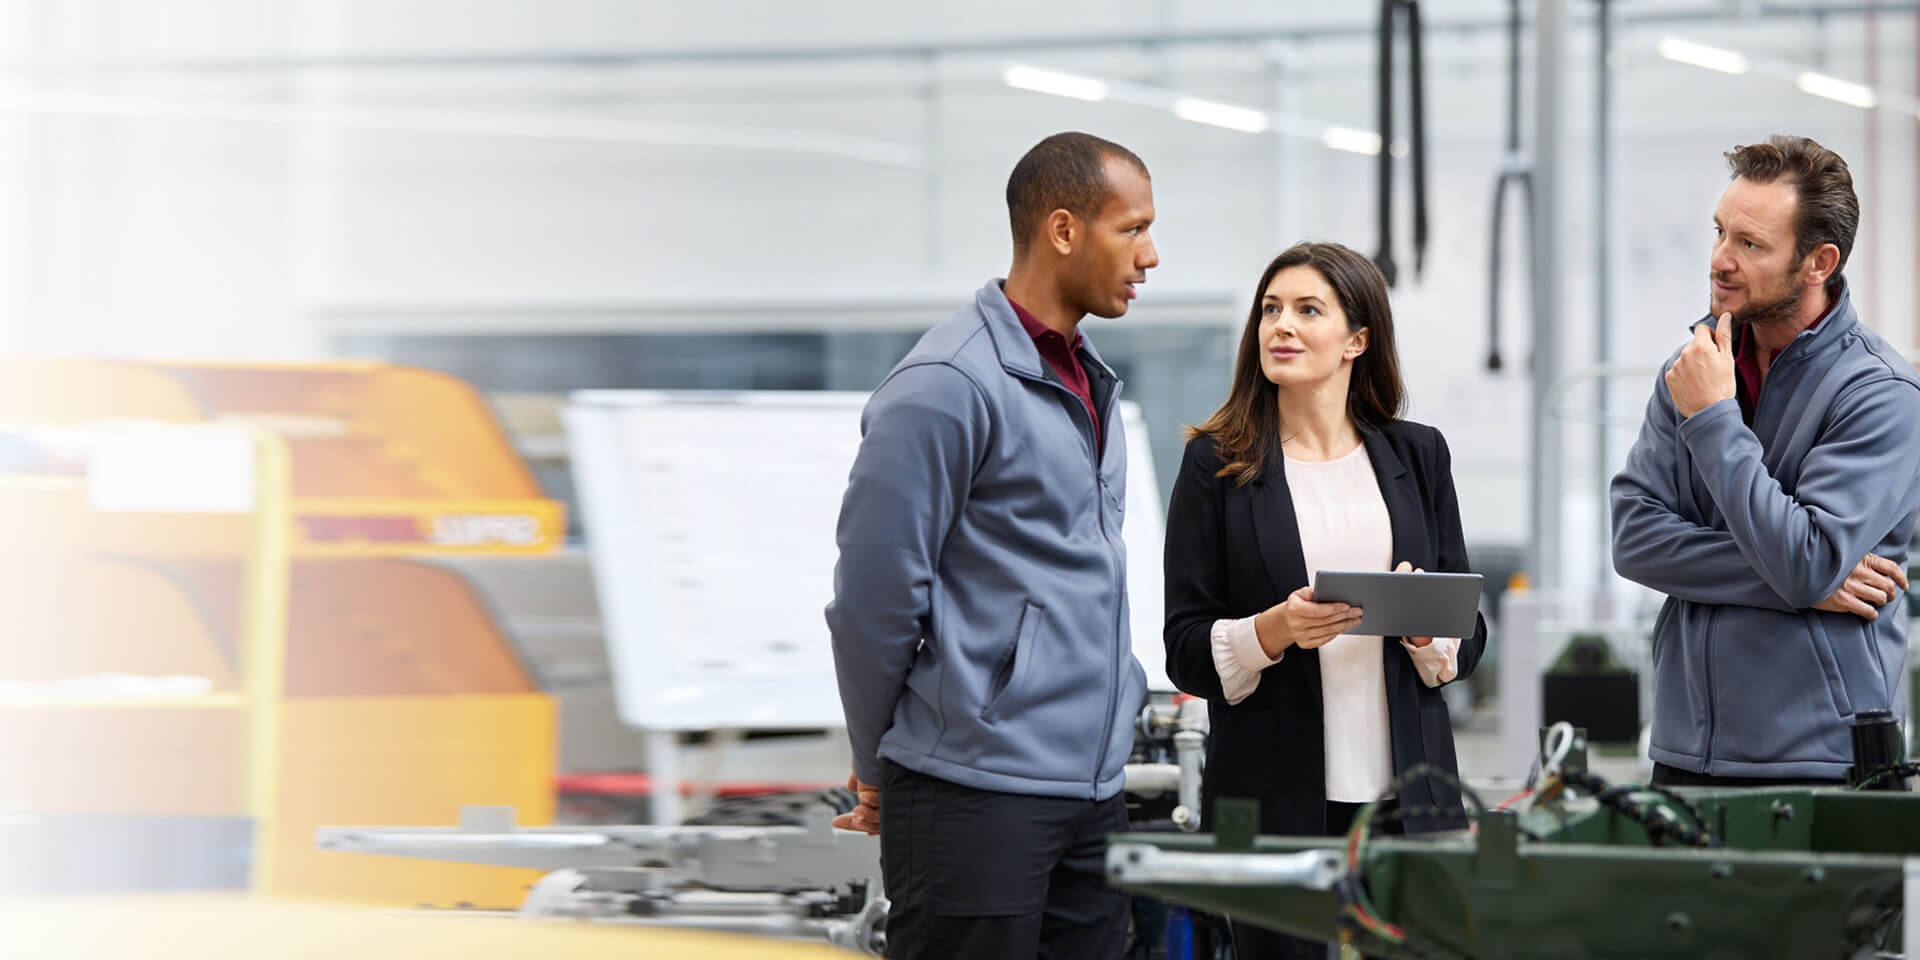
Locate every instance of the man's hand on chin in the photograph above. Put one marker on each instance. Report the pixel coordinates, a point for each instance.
(1703, 374)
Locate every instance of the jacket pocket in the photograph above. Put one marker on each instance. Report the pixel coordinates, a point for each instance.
(1115, 502)
(1829, 663)
(923, 678)
(1011, 673)
(1658, 642)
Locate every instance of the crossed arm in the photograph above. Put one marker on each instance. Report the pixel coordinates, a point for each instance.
(1787, 552)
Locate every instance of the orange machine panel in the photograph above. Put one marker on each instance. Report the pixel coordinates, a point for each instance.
(198, 927)
(371, 627)
(76, 616)
(54, 517)
(73, 389)
(430, 427)
(407, 761)
(390, 628)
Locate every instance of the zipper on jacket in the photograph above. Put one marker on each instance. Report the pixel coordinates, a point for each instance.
(1713, 613)
(1100, 510)
(1771, 367)
(1761, 396)
(1119, 657)
(1092, 433)
(1713, 711)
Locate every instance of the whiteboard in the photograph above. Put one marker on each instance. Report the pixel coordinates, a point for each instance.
(710, 521)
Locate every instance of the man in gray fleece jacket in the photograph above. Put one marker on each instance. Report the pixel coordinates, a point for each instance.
(979, 617)
(1772, 492)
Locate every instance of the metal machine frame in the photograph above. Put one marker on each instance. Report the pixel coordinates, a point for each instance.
(804, 882)
(1579, 868)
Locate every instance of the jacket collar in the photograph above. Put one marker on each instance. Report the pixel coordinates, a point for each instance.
(1018, 354)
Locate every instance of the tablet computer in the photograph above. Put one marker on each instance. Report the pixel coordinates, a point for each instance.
(1404, 604)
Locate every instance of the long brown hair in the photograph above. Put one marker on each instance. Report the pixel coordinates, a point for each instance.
(1246, 427)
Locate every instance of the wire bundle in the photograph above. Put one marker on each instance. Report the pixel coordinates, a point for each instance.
(1660, 824)
(1657, 820)
(1898, 771)
(1357, 912)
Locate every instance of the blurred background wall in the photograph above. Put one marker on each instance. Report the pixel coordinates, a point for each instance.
(584, 193)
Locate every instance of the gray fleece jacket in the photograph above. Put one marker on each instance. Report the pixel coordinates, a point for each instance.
(979, 616)
(1745, 528)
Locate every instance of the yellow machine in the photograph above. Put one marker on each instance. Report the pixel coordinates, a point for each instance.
(201, 928)
(187, 645)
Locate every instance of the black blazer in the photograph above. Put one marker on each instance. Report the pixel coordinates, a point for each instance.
(1233, 551)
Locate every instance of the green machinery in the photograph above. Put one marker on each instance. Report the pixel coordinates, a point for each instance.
(1579, 868)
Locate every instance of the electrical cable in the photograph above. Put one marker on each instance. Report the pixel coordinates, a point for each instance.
(1898, 770)
(1357, 912)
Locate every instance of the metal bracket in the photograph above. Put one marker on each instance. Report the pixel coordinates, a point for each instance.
(815, 856)
(1140, 863)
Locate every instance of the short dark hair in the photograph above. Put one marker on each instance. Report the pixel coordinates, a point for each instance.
(1066, 171)
(1828, 210)
(1247, 427)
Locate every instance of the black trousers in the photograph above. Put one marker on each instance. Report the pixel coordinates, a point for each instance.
(1259, 943)
(1665, 776)
(978, 874)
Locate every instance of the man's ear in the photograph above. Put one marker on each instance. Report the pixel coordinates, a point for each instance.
(1063, 232)
(1821, 263)
(1357, 343)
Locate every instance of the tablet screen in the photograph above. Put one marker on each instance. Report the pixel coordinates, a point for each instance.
(1404, 604)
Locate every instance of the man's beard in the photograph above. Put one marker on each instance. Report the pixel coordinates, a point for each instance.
(1767, 313)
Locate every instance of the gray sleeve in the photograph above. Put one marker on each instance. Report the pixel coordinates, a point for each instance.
(923, 435)
(1852, 488)
(1655, 546)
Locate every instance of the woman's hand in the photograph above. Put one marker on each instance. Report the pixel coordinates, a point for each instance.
(1406, 567)
(1299, 622)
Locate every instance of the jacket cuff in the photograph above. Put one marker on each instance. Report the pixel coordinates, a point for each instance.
(867, 770)
(1707, 418)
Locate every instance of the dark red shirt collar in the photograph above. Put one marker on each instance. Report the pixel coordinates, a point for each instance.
(1064, 357)
(1746, 351)
(1036, 329)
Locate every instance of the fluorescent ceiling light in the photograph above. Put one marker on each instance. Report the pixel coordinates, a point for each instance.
(1834, 88)
(579, 127)
(1058, 84)
(1701, 55)
(1221, 115)
(1351, 140)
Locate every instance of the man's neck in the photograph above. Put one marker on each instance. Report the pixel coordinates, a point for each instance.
(1774, 337)
(1042, 299)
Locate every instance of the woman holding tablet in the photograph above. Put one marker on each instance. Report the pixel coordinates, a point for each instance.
(1307, 467)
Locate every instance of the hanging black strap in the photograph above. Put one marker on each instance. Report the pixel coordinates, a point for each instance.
(1384, 165)
(1514, 173)
(1390, 13)
(1417, 111)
